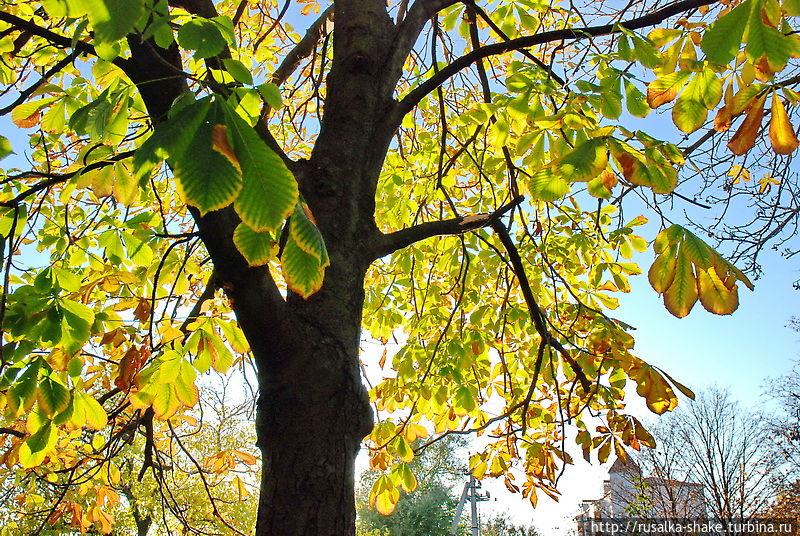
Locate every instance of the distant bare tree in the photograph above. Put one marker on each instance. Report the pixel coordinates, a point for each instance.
(716, 443)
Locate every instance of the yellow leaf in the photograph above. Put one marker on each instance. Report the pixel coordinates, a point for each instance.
(244, 457)
(739, 174)
(240, 488)
(386, 501)
(715, 296)
(781, 134)
(665, 88)
(662, 272)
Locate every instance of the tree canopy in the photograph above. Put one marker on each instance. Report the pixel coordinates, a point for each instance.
(206, 187)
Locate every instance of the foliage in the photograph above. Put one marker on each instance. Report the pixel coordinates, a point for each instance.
(206, 188)
(501, 525)
(174, 495)
(429, 509)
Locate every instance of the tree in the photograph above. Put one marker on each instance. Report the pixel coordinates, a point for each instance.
(208, 473)
(785, 425)
(430, 507)
(365, 177)
(501, 525)
(716, 444)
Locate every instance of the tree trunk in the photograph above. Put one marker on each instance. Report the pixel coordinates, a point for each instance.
(313, 411)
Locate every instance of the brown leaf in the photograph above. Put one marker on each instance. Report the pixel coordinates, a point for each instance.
(722, 121)
(28, 122)
(745, 137)
(627, 163)
(764, 71)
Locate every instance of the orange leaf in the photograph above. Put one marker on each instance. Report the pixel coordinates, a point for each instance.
(219, 142)
(609, 179)
(781, 134)
(722, 121)
(745, 137)
(28, 122)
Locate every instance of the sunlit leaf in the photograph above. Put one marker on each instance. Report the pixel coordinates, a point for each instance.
(781, 132)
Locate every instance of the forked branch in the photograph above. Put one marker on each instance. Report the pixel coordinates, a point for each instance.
(389, 243)
(536, 312)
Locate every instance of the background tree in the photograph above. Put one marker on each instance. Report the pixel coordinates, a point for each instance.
(385, 197)
(502, 525)
(716, 443)
(207, 474)
(430, 508)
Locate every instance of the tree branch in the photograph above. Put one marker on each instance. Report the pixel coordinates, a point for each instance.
(389, 243)
(416, 95)
(411, 26)
(208, 292)
(303, 48)
(11, 431)
(537, 314)
(56, 39)
(52, 71)
(58, 178)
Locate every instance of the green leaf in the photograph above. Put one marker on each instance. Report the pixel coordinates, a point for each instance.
(663, 177)
(689, 112)
(635, 100)
(258, 248)
(303, 272)
(171, 137)
(269, 193)
(53, 396)
(610, 97)
(545, 185)
(5, 147)
(646, 53)
(33, 451)
(307, 235)
(271, 94)
(207, 177)
(697, 251)
(585, 162)
(22, 394)
(723, 38)
(792, 7)
(238, 71)
(764, 41)
(681, 296)
(78, 318)
(113, 19)
(202, 36)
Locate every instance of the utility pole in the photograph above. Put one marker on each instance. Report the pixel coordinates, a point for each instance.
(471, 494)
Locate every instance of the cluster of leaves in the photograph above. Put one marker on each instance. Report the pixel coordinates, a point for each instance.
(560, 143)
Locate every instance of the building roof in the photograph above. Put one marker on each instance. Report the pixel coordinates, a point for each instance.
(626, 465)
